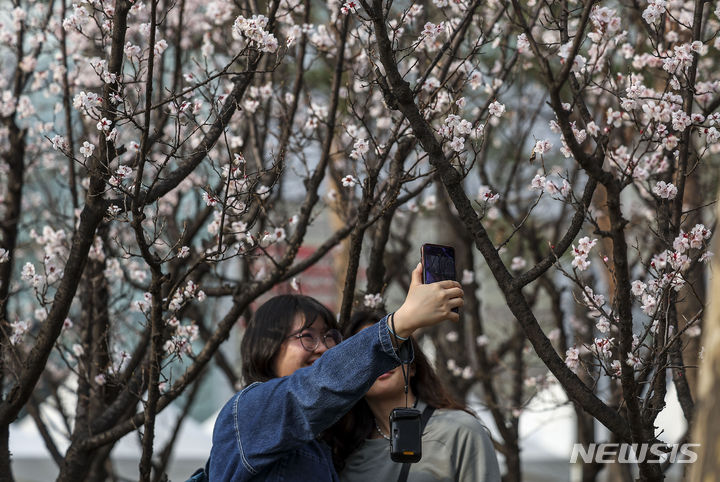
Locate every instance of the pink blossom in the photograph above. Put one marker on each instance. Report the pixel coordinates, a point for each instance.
(602, 347)
(542, 146)
(209, 199)
(681, 242)
(538, 183)
(431, 30)
(486, 195)
(523, 45)
(633, 361)
(457, 144)
(279, 234)
(638, 287)
(518, 263)
(372, 300)
(649, 303)
(430, 202)
(572, 358)
(349, 7)
(78, 350)
(603, 325)
(348, 181)
(160, 46)
(103, 124)
(360, 147)
(665, 190)
(496, 108)
(87, 149)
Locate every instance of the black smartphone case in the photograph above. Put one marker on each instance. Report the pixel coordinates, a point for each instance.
(405, 435)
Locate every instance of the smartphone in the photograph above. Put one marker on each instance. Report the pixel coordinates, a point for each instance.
(405, 435)
(438, 263)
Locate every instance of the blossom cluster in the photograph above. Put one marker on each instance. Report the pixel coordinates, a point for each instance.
(180, 342)
(254, 29)
(581, 252)
(543, 184)
(373, 300)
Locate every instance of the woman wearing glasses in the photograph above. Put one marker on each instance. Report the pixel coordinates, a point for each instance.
(301, 383)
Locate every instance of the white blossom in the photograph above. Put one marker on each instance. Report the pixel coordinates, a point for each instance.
(572, 358)
(373, 300)
(496, 108)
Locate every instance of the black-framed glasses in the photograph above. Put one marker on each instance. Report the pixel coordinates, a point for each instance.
(310, 342)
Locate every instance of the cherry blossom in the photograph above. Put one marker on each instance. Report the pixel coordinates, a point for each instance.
(633, 361)
(457, 144)
(542, 147)
(103, 124)
(665, 190)
(581, 252)
(538, 183)
(496, 109)
(372, 300)
(348, 181)
(87, 149)
(209, 199)
(572, 358)
(349, 7)
(486, 195)
(602, 347)
(452, 336)
(603, 325)
(518, 263)
(430, 202)
(638, 287)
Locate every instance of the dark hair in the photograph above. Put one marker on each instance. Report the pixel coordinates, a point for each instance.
(270, 326)
(357, 425)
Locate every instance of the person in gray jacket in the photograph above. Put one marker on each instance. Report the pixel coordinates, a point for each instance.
(455, 444)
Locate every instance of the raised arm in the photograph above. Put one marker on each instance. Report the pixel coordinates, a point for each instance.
(266, 420)
(427, 304)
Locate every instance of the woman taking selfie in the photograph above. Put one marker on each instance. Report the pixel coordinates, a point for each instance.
(455, 444)
(301, 380)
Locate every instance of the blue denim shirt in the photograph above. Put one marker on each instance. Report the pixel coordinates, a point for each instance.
(268, 431)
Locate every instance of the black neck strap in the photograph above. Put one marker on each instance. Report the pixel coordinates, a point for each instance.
(404, 363)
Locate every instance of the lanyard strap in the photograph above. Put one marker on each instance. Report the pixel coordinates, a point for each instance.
(427, 413)
(404, 361)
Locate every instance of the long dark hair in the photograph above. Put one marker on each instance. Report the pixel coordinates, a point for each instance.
(270, 326)
(357, 425)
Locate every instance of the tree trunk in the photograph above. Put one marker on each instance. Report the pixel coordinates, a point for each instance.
(706, 431)
(5, 467)
(692, 297)
(512, 461)
(8, 231)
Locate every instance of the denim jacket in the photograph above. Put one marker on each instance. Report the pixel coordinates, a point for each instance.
(269, 430)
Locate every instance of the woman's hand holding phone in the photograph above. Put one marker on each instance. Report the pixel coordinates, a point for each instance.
(427, 304)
